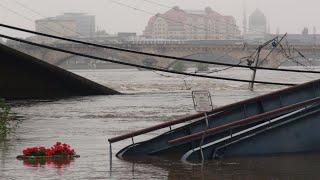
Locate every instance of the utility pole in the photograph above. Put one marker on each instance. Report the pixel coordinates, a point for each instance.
(251, 85)
(274, 42)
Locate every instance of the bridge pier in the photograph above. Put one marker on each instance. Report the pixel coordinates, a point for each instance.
(25, 77)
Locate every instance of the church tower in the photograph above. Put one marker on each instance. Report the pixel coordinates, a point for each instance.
(244, 22)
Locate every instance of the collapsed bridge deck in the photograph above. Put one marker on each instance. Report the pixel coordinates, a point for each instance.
(284, 121)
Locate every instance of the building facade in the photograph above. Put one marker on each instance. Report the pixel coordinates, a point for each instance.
(192, 25)
(68, 25)
(54, 26)
(59, 27)
(85, 24)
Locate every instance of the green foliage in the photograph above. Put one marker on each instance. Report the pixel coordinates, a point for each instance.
(179, 66)
(5, 118)
(202, 67)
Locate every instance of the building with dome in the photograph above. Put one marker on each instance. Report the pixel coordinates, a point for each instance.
(257, 26)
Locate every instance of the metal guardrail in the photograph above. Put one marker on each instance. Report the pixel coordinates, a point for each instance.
(246, 133)
(199, 115)
(153, 128)
(245, 121)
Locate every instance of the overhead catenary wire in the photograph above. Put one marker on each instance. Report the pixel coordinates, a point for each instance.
(34, 11)
(167, 6)
(274, 47)
(38, 13)
(17, 13)
(76, 32)
(128, 6)
(163, 17)
(41, 15)
(152, 54)
(137, 65)
(172, 20)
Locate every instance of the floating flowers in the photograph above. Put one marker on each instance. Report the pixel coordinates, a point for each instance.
(35, 151)
(48, 161)
(61, 153)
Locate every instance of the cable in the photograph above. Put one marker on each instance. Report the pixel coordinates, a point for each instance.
(24, 6)
(76, 32)
(162, 5)
(274, 47)
(167, 6)
(16, 13)
(36, 12)
(152, 54)
(172, 20)
(137, 65)
(39, 14)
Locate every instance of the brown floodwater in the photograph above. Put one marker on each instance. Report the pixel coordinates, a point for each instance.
(87, 122)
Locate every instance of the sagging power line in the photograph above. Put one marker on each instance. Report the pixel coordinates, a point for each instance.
(137, 65)
(167, 6)
(37, 13)
(28, 19)
(43, 16)
(24, 6)
(153, 54)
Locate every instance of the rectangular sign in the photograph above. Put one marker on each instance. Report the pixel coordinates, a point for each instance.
(202, 101)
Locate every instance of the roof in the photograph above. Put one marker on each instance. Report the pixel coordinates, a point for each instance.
(257, 18)
(176, 14)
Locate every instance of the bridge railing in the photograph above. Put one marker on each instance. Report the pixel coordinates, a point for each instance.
(211, 113)
(154, 128)
(252, 119)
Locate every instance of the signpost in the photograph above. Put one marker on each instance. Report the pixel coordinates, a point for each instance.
(202, 103)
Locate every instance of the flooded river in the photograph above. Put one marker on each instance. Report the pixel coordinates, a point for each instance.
(150, 98)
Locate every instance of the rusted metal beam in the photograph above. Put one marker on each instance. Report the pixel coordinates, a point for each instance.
(199, 115)
(245, 121)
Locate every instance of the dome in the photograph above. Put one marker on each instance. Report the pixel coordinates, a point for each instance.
(257, 18)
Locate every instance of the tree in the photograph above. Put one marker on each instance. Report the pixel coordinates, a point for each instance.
(5, 119)
(179, 66)
(202, 67)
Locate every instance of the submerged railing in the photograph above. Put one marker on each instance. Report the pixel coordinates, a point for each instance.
(211, 113)
(252, 119)
(154, 128)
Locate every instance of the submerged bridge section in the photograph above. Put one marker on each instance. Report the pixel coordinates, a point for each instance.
(221, 51)
(285, 121)
(25, 77)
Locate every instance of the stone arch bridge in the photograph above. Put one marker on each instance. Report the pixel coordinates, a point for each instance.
(228, 53)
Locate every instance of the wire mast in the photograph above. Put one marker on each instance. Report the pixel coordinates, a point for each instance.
(274, 43)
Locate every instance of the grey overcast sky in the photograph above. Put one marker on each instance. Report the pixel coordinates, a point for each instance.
(289, 15)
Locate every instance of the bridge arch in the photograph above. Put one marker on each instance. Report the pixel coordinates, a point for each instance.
(208, 56)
